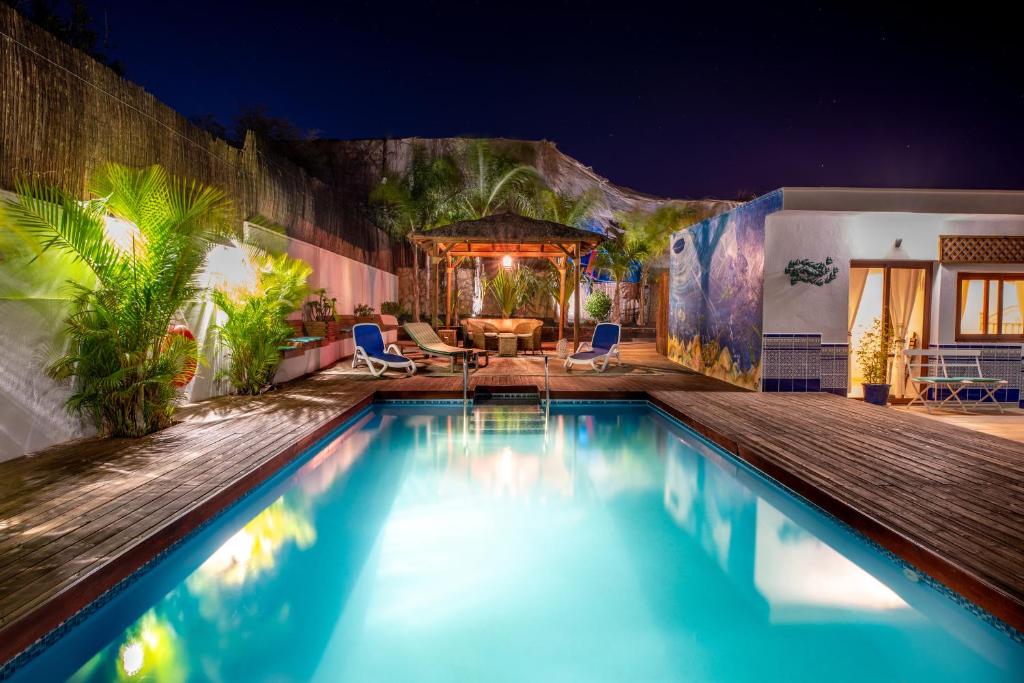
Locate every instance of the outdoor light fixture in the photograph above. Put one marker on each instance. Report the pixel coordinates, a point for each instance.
(506, 261)
(899, 241)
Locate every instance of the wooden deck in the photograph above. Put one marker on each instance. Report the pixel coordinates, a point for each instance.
(78, 518)
(948, 500)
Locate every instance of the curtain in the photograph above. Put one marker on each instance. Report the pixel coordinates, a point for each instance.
(858, 277)
(1019, 286)
(903, 284)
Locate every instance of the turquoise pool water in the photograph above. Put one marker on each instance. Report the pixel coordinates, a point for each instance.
(612, 546)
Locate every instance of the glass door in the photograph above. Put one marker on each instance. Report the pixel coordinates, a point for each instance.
(898, 294)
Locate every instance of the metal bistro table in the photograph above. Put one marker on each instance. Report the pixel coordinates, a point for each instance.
(507, 343)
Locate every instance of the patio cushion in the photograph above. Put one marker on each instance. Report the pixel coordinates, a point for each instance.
(389, 358)
(369, 337)
(605, 336)
(589, 355)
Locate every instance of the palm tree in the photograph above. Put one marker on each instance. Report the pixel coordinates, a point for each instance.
(650, 233)
(493, 182)
(618, 256)
(256, 328)
(121, 359)
(564, 208)
(418, 200)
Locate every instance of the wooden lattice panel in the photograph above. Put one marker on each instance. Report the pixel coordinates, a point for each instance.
(981, 249)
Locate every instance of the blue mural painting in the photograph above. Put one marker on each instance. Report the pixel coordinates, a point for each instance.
(716, 292)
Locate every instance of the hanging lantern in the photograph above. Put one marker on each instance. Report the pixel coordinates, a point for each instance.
(506, 261)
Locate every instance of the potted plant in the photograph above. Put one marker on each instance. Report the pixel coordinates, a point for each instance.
(873, 356)
(364, 314)
(598, 305)
(319, 314)
(509, 289)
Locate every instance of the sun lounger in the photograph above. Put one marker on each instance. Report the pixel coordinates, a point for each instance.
(370, 350)
(598, 352)
(424, 336)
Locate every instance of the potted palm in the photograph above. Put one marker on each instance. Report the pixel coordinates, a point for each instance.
(364, 314)
(320, 313)
(873, 356)
(509, 289)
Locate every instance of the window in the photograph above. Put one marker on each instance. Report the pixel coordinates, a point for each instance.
(989, 306)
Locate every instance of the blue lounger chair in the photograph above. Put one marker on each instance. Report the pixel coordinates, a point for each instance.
(598, 352)
(370, 350)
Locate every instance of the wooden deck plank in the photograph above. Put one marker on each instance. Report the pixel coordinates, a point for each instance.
(77, 518)
(902, 489)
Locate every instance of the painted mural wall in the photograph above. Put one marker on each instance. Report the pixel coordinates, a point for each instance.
(716, 293)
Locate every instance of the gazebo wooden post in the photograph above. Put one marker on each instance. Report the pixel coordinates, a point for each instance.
(561, 297)
(450, 294)
(436, 308)
(430, 288)
(576, 298)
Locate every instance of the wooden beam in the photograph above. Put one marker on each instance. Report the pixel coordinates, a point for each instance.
(450, 294)
(576, 302)
(561, 299)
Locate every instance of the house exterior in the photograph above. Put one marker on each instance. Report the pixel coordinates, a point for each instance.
(775, 294)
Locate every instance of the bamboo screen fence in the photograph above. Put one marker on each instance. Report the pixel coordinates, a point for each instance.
(62, 114)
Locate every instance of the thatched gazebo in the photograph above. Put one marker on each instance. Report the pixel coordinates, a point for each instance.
(509, 234)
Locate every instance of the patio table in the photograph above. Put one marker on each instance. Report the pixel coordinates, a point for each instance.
(507, 343)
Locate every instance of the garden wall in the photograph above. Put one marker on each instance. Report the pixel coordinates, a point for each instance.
(716, 293)
(62, 114)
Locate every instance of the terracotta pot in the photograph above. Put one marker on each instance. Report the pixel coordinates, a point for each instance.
(877, 394)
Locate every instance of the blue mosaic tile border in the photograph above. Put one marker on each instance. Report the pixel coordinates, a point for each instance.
(898, 561)
(447, 402)
(997, 360)
(9, 668)
(790, 362)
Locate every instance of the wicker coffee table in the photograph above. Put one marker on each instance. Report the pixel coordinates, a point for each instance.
(507, 344)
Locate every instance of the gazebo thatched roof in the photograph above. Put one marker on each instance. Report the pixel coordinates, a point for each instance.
(506, 233)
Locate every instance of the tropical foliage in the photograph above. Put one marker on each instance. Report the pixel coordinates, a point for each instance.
(121, 360)
(562, 207)
(598, 305)
(617, 257)
(510, 289)
(648, 235)
(493, 182)
(876, 345)
(422, 198)
(256, 328)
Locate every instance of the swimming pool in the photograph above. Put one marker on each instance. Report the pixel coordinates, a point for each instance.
(601, 543)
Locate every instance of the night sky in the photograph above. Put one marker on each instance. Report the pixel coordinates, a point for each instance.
(714, 99)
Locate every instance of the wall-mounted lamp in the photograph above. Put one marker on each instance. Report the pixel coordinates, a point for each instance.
(506, 261)
(898, 242)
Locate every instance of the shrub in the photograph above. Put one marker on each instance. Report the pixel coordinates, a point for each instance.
(391, 308)
(363, 310)
(598, 305)
(873, 353)
(322, 309)
(256, 327)
(120, 357)
(510, 289)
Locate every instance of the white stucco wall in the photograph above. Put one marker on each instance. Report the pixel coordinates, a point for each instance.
(32, 414)
(847, 236)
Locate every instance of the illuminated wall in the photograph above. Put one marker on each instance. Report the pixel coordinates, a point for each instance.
(716, 293)
(34, 305)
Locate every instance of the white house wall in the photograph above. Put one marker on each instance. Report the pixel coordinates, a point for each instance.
(845, 237)
(805, 345)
